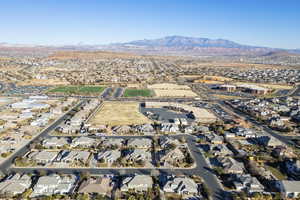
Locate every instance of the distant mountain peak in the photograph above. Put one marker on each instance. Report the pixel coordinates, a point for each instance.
(182, 41)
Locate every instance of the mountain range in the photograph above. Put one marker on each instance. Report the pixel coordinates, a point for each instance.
(170, 45)
(180, 45)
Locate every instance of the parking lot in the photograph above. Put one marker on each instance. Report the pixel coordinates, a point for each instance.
(164, 115)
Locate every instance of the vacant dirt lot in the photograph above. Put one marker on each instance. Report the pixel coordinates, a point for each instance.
(43, 82)
(119, 113)
(172, 90)
(174, 93)
(169, 86)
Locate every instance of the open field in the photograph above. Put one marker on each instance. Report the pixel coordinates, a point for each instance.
(119, 113)
(66, 55)
(137, 93)
(78, 89)
(168, 86)
(43, 82)
(135, 85)
(174, 93)
(172, 90)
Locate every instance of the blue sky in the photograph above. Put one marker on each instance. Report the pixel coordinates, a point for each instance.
(273, 23)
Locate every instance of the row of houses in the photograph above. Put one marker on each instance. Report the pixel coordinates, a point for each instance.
(103, 185)
(278, 113)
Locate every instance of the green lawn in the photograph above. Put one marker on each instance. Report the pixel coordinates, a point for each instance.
(137, 93)
(78, 89)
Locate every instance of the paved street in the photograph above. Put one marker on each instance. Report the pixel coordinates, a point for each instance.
(202, 169)
(118, 92)
(106, 93)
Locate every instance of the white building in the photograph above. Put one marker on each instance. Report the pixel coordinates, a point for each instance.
(54, 184)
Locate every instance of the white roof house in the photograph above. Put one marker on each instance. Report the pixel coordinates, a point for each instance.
(169, 127)
(171, 156)
(53, 184)
(43, 156)
(83, 142)
(180, 185)
(70, 156)
(15, 184)
(55, 142)
(113, 142)
(109, 156)
(137, 183)
(230, 165)
(143, 143)
(139, 154)
(145, 128)
(166, 142)
(248, 183)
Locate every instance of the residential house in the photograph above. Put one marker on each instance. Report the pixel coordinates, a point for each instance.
(169, 128)
(220, 150)
(147, 129)
(138, 155)
(98, 185)
(215, 139)
(43, 157)
(83, 142)
(141, 143)
(171, 156)
(124, 129)
(71, 156)
(138, 183)
(55, 142)
(113, 142)
(247, 183)
(180, 185)
(54, 184)
(15, 184)
(109, 156)
(167, 142)
(230, 165)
